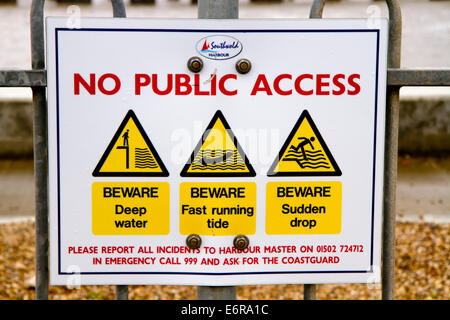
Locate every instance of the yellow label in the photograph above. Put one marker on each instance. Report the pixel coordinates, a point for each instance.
(130, 153)
(218, 153)
(130, 208)
(304, 153)
(218, 209)
(303, 207)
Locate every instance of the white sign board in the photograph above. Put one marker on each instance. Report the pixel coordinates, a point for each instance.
(144, 152)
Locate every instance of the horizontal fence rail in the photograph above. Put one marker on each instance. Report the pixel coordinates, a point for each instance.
(418, 77)
(395, 77)
(23, 78)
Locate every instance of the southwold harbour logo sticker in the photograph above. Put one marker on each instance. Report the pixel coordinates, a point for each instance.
(219, 47)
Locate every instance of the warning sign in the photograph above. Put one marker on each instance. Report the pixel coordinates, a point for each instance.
(218, 153)
(130, 208)
(130, 153)
(218, 209)
(278, 170)
(304, 153)
(303, 207)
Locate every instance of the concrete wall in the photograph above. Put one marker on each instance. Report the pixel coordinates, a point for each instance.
(424, 125)
(16, 129)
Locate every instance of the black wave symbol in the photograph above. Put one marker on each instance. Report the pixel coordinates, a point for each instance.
(200, 167)
(217, 157)
(143, 159)
(311, 159)
(291, 154)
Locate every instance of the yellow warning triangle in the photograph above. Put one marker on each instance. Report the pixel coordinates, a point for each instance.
(304, 153)
(130, 153)
(218, 153)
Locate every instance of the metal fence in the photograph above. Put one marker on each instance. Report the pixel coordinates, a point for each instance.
(224, 9)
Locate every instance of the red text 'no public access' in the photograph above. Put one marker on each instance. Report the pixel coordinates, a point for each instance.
(180, 84)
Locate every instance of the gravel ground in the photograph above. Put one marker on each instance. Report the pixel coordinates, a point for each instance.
(422, 271)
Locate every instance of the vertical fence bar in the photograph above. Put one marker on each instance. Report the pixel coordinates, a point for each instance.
(316, 9)
(391, 152)
(122, 292)
(118, 9)
(216, 293)
(214, 9)
(309, 292)
(391, 145)
(119, 12)
(40, 151)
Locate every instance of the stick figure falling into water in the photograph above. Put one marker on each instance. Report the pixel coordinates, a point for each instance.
(301, 145)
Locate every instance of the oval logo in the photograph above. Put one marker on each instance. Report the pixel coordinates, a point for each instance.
(219, 47)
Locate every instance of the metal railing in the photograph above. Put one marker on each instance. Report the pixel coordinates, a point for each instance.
(225, 9)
